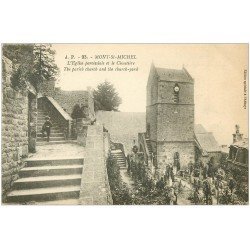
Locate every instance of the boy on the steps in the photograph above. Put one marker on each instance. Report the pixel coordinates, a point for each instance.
(46, 127)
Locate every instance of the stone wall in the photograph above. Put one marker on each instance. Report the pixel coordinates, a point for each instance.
(91, 104)
(14, 127)
(95, 188)
(170, 123)
(151, 122)
(166, 93)
(166, 151)
(175, 122)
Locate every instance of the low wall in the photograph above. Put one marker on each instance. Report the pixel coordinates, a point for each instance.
(95, 188)
(166, 151)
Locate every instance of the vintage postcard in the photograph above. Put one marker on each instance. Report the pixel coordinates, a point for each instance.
(124, 124)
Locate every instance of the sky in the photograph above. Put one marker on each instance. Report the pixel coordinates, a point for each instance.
(218, 71)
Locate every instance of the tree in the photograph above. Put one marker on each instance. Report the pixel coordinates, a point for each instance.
(34, 63)
(106, 98)
(44, 68)
(22, 58)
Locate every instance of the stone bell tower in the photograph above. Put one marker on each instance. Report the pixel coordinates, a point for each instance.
(170, 116)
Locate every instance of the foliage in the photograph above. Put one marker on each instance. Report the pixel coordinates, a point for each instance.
(240, 175)
(106, 98)
(34, 63)
(146, 190)
(77, 112)
(44, 68)
(119, 190)
(21, 56)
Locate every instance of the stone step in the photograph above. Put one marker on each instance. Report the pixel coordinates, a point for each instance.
(41, 122)
(41, 143)
(116, 151)
(44, 194)
(41, 139)
(121, 166)
(50, 170)
(120, 161)
(39, 126)
(118, 155)
(60, 202)
(41, 118)
(119, 158)
(54, 125)
(32, 162)
(47, 181)
(53, 131)
(55, 134)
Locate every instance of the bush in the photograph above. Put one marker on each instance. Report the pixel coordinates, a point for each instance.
(120, 192)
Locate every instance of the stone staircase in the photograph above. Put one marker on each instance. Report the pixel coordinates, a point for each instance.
(149, 146)
(47, 181)
(56, 134)
(119, 157)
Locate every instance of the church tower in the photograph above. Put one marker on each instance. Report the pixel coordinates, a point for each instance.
(170, 116)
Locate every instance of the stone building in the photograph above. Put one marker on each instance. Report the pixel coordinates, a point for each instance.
(170, 116)
(238, 150)
(206, 146)
(68, 99)
(19, 112)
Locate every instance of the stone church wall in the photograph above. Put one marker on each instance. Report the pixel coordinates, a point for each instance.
(175, 122)
(166, 92)
(166, 151)
(151, 122)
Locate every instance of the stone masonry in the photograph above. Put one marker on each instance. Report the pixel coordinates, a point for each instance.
(95, 188)
(170, 115)
(15, 134)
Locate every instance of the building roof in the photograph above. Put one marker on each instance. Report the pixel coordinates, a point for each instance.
(68, 99)
(174, 75)
(206, 139)
(199, 129)
(59, 108)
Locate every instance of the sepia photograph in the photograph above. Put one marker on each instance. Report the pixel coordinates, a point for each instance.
(124, 124)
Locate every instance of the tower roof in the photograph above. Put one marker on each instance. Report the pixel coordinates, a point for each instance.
(174, 75)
